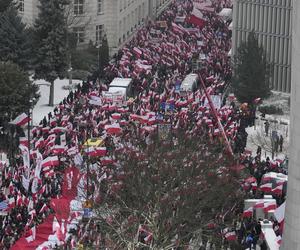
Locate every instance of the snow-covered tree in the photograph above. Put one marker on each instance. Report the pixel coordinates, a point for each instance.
(16, 91)
(51, 60)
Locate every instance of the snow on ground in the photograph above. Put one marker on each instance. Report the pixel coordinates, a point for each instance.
(256, 135)
(41, 109)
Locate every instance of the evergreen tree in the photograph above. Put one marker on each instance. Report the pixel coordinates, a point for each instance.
(104, 55)
(14, 38)
(16, 91)
(51, 41)
(252, 71)
(4, 5)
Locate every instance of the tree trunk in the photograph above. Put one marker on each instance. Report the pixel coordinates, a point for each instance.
(51, 95)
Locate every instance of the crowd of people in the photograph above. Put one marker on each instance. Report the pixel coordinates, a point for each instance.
(158, 57)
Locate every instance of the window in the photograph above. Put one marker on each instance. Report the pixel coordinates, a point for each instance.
(99, 33)
(78, 7)
(79, 34)
(100, 6)
(21, 5)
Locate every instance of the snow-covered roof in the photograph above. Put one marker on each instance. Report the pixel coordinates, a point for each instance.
(120, 82)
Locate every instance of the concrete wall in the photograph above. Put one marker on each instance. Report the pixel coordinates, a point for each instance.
(291, 235)
(271, 21)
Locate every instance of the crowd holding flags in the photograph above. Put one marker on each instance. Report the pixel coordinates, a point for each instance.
(155, 61)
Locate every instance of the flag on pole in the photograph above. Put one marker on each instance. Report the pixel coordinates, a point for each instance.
(196, 18)
(21, 120)
(248, 212)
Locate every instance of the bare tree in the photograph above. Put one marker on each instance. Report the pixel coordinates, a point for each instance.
(163, 195)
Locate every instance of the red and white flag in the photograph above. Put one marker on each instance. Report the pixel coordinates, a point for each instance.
(267, 188)
(58, 149)
(50, 161)
(259, 204)
(197, 18)
(271, 205)
(21, 120)
(230, 236)
(24, 141)
(248, 212)
(278, 189)
(32, 234)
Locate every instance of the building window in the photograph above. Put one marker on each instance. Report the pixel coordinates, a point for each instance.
(78, 7)
(21, 5)
(99, 33)
(79, 34)
(100, 6)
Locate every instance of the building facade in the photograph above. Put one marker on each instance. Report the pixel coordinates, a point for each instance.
(91, 19)
(271, 21)
(291, 232)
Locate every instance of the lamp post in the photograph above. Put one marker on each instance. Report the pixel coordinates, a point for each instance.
(70, 69)
(98, 46)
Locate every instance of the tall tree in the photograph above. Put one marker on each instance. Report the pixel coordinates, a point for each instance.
(16, 90)
(104, 55)
(175, 191)
(252, 71)
(51, 41)
(15, 43)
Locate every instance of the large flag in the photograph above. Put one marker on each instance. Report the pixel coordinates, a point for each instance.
(268, 206)
(248, 212)
(196, 18)
(21, 120)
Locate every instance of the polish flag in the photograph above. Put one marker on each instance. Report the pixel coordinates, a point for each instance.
(50, 161)
(267, 188)
(39, 143)
(94, 152)
(58, 130)
(32, 234)
(230, 236)
(259, 204)
(45, 130)
(24, 141)
(266, 178)
(278, 240)
(123, 122)
(58, 149)
(106, 161)
(268, 206)
(113, 129)
(137, 52)
(116, 116)
(277, 190)
(196, 18)
(21, 120)
(248, 212)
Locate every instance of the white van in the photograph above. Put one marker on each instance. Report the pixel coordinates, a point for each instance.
(123, 85)
(189, 84)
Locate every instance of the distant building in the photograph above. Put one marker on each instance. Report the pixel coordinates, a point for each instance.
(91, 19)
(271, 21)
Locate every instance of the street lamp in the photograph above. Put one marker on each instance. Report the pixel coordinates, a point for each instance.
(70, 77)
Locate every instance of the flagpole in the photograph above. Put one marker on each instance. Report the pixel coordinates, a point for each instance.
(212, 107)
